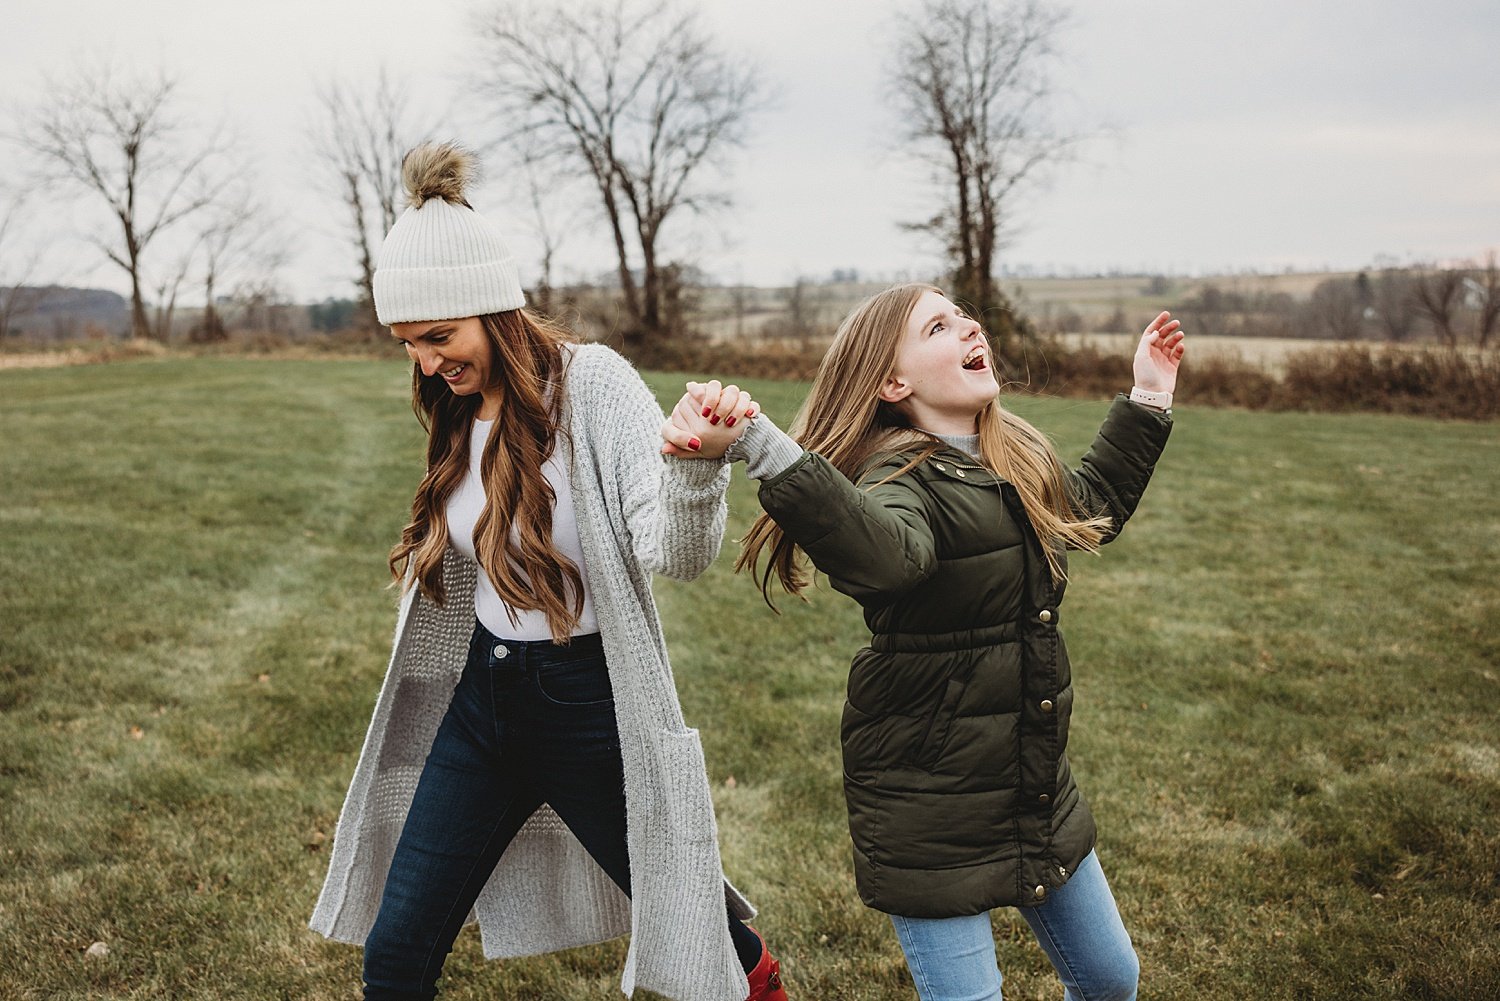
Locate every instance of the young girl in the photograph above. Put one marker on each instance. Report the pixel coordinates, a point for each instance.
(947, 517)
(528, 764)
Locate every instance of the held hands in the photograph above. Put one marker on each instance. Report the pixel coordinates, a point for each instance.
(707, 420)
(1158, 354)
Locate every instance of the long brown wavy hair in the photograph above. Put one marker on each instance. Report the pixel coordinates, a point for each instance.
(527, 357)
(845, 421)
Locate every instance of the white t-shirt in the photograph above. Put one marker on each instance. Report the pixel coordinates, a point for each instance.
(466, 504)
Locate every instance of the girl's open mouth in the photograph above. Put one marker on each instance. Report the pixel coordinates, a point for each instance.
(974, 361)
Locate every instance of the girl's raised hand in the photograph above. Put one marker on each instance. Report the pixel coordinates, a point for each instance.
(707, 420)
(1158, 354)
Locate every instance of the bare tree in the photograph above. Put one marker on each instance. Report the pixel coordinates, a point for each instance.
(1395, 302)
(1437, 299)
(636, 97)
(1485, 285)
(549, 222)
(738, 299)
(970, 83)
(360, 135)
(804, 308)
(167, 287)
(1336, 309)
(263, 304)
(238, 236)
(19, 264)
(120, 138)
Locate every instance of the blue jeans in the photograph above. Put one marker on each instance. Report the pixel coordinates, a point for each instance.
(531, 722)
(1079, 928)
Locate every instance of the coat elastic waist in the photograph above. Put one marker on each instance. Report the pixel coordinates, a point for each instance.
(963, 639)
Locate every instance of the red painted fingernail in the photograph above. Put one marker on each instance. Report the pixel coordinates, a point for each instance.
(729, 422)
(749, 413)
(714, 419)
(707, 411)
(694, 444)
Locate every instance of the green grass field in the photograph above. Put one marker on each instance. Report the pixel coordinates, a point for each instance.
(1288, 677)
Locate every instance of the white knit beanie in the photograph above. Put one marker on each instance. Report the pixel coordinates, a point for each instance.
(442, 260)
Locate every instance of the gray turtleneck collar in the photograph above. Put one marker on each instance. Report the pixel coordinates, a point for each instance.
(966, 443)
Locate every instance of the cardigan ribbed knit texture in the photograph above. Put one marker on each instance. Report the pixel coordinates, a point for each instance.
(638, 514)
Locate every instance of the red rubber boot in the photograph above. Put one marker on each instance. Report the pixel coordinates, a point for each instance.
(765, 979)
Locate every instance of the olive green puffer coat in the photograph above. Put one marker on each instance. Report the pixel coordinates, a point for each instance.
(956, 726)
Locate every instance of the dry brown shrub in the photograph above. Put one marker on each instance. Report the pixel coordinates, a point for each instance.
(1437, 382)
(274, 343)
(1046, 366)
(771, 359)
(1228, 381)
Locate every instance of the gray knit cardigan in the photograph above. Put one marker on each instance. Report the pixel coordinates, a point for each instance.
(638, 514)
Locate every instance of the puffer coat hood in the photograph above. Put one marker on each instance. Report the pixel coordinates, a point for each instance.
(955, 729)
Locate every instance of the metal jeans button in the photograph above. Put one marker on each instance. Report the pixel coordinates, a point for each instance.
(500, 652)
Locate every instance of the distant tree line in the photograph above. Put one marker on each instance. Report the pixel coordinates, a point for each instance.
(1453, 305)
(1450, 304)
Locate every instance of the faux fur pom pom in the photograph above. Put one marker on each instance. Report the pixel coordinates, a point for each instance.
(438, 170)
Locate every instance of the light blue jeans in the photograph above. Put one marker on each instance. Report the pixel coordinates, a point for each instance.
(1079, 928)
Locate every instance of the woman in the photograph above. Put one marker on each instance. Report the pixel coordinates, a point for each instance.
(947, 518)
(528, 761)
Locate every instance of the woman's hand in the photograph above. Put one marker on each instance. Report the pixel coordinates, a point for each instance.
(707, 420)
(1158, 354)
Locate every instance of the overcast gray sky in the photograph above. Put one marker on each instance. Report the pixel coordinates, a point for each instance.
(1286, 133)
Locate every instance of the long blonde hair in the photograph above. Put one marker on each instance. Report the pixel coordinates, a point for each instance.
(845, 421)
(528, 571)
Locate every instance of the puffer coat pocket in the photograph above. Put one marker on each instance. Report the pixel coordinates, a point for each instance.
(929, 750)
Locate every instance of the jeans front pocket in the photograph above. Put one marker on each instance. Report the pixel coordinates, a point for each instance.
(581, 682)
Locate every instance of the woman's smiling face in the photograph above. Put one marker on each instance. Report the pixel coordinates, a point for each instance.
(457, 350)
(944, 374)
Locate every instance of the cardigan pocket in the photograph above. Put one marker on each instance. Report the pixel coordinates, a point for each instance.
(683, 809)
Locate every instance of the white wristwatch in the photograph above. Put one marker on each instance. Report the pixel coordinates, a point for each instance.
(1161, 401)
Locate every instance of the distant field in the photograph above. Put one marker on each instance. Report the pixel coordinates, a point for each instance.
(1298, 285)
(727, 312)
(1094, 299)
(1286, 671)
(1269, 353)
